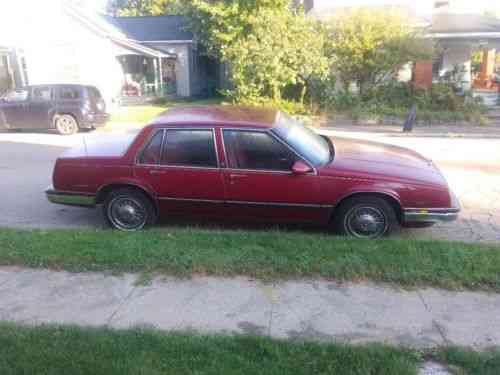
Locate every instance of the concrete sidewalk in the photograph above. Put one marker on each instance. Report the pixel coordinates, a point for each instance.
(321, 310)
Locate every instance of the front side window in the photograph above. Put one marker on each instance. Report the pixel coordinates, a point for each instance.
(257, 151)
(16, 96)
(151, 153)
(192, 148)
(41, 94)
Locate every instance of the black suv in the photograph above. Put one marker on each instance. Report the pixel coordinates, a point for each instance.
(66, 108)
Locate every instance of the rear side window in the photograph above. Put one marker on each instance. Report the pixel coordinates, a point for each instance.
(192, 148)
(69, 93)
(41, 94)
(151, 154)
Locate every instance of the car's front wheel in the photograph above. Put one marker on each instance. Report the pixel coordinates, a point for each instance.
(129, 210)
(66, 124)
(367, 217)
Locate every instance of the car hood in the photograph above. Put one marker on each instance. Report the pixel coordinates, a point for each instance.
(373, 160)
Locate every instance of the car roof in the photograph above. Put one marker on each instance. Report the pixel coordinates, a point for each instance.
(56, 85)
(256, 117)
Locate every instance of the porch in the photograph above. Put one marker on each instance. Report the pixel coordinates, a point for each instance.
(147, 73)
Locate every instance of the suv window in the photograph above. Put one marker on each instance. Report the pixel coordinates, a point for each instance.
(94, 92)
(151, 154)
(43, 94)
(195, 148)
(19, 95)
(257, 151)
(69, 93)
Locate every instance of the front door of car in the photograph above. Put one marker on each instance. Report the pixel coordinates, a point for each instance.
(259, 180)
(181, 165)
(40, 108)
(14, 109)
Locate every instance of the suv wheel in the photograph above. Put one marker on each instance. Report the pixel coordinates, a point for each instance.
(66, 124)
(129, 210)
(366, 217)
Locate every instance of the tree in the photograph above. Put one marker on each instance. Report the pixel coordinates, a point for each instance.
(143, 7)
(367, 46)
(266, 43)
(282, 49)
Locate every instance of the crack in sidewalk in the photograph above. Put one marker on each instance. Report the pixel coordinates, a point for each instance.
(435, 323)
(122, 303)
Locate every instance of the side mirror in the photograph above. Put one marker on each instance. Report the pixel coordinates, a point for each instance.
(299, 167)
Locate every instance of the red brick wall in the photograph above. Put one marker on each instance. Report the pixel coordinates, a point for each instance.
(422, 74)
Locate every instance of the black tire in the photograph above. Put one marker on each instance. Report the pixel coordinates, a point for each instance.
(129, 210)
(367, 217)
(66, 124)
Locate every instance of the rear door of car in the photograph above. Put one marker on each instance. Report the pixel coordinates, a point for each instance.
(259, 181)
(41, 107)
(182, 166)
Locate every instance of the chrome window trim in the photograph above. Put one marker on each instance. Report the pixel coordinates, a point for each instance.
(271, 134)
(164, 140)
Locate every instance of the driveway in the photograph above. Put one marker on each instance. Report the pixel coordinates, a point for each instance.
(472, 167)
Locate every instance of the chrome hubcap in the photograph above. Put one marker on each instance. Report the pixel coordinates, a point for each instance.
(66, 125)
(127, 214)
(366, 222)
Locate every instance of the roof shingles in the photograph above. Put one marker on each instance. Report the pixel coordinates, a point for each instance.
(153, 28)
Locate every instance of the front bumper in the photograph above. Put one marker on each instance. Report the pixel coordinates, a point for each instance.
(421, 215)
(70, 198)
(433, 215)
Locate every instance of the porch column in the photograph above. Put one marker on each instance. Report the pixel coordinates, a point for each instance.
(157, 81)
(488, 64)
(160, 60)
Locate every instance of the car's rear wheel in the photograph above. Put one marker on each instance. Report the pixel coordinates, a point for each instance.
(66, 124)
(129, 210)
(367, 217)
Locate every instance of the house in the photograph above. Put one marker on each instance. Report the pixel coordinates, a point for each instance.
(136, 56)
(459, 31)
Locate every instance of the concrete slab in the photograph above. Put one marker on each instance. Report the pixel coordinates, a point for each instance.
(315, 310)
(352, 314)
(35, 296)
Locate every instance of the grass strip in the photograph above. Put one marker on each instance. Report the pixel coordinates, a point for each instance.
(71, 350)
(268, 255)
(63, 350)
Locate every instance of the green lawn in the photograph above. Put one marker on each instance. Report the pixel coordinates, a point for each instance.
(57, 350)
(271, 254)
(144, 113)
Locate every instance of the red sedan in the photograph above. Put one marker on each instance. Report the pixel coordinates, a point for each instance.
(235, 162)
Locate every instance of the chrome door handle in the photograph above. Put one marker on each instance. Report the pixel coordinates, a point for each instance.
(156, 172)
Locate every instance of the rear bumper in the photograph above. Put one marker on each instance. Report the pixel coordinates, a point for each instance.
(70, 198)
(95, 120)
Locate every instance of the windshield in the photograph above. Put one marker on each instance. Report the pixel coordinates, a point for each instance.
(305, 141)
